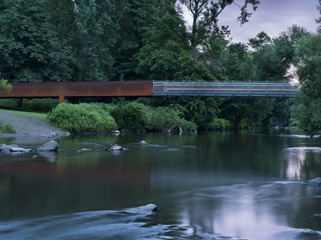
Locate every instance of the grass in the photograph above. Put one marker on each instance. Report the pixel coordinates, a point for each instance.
(26, 114)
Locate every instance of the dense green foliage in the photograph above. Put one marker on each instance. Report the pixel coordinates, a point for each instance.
(93, 40)
(81, 118)
(6, 128)
(131, 116)
(308, 61)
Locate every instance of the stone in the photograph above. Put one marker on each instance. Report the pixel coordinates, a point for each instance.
(14, 148)
(146, 209)
(175, 129)
(314, 182)
(116, 148)
(51, 135)
(48, 146)
(143, 142)
(116, 132)
(84, 150)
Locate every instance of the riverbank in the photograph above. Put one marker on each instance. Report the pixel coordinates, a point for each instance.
(28, 125)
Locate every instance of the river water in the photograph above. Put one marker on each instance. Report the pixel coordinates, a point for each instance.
(206, 186)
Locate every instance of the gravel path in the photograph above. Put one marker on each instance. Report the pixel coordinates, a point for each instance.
(29, 125)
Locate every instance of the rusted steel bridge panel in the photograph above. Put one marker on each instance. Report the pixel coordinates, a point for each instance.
(80, 89)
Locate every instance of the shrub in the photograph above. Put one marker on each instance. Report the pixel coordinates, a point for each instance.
(7, 128)
(130, 116)
(164, 117)
(220, 123)
(39, 105)
(81, 118)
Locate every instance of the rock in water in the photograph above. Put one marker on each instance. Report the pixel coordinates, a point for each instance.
(147, 209)
(314, 182)
(48, 147)
(143, 142)
(116, 132)
(175, 129)
(116, 148)
(13, 148)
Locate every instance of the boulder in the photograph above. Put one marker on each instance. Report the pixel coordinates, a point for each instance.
(116, 148)
(314, 182)
(143, 142)
(48, 146)
(13, 148)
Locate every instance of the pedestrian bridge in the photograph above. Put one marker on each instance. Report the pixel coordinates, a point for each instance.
(150, 89)
(225, 89)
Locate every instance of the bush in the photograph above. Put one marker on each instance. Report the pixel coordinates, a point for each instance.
(81, 118)
(220, 123)
(164, 117)
(40, 105)
(7, 128)
(130, 116)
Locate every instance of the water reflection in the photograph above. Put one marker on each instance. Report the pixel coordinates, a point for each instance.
(298, 160)
(207, 185)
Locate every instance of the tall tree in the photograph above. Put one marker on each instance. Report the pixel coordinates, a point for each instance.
(29, 48)
(205, 15)
(96, 34)
(308, 63)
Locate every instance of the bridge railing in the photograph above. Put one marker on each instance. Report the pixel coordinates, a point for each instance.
(224, 89)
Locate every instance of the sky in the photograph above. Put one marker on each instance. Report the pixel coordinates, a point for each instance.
(272, 17)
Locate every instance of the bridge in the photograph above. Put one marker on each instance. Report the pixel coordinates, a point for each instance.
(150, 89)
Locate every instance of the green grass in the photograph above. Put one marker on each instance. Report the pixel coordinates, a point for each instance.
(27, 114)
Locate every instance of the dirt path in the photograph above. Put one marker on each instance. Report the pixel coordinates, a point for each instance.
(29, 125)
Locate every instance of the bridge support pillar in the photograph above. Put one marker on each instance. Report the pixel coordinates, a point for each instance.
(61, 99)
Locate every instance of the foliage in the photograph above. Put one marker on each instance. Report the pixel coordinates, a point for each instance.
(81, 118)
(7, 128)
(318, 20)
(205, 15)
(308, 62)
(165, 56)
(220, 123)
(164, 117)
(5, 85)
(39, 105)
(307, 114)
(29, 48)
(200, 111)
(130, 116)
(261, 39)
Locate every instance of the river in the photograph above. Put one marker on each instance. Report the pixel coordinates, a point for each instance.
(206, 186)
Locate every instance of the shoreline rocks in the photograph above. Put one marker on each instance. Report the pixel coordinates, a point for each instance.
(14, 148)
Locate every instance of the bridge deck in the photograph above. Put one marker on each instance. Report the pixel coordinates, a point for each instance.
(149, 88)
(225, 89)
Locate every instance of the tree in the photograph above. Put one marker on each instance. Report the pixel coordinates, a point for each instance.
(238, 62)
(29, 48)
(165, 56)
(274, 57)
(308, 63)
(205, 15)
(318, 20)
(5, 85)
(261, 39)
